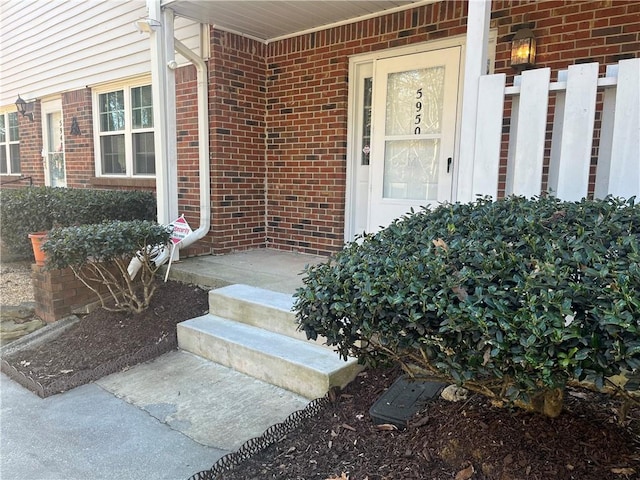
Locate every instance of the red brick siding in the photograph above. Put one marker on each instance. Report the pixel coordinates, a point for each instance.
(307, 94)
(78, 148)
(237, 128)
(188, 155)
(57, 293)
(30, 149)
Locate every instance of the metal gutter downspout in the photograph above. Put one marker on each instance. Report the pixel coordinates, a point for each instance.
(168, 253)
(203, 144)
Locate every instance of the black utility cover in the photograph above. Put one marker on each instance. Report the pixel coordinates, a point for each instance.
(403, 400)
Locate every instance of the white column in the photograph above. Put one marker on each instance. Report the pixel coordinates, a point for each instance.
(164, 108)
(475, 66)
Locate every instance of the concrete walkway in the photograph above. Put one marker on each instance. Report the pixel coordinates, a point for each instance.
(165, 419)
(87, 433)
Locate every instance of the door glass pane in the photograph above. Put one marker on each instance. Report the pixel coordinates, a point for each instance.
(55, 148)
(113, 160)
(366, 121)
(414, 107)
(3, 131)
(112, 111)
(144, 153)
(414, 101)
(142, 107)
(411, 169)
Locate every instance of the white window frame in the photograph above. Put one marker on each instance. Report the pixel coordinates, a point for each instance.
(128, 130)
(6, 145)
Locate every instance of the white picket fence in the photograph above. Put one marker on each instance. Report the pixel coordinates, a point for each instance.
(573, 126)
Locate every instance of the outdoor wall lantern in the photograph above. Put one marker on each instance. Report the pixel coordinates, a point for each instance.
(26, 109)
(146, 25)
(523, 50)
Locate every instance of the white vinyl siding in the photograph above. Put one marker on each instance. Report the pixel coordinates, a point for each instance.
(125, 135)
(9, 144)
(53, 46)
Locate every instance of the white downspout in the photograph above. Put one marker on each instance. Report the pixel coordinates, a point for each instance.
(203, 143)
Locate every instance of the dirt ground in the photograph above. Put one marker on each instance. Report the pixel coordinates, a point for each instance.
(464, 440)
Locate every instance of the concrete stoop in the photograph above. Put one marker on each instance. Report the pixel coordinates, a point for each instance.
(253, 331)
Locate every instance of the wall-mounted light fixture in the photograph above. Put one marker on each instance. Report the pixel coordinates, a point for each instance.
(523, 50)
(26, 109)
(146, 25)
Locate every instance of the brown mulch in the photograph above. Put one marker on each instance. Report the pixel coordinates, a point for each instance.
(102, 338)
(460, 441)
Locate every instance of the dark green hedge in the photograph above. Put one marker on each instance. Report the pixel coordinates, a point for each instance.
(35, 209)
(515, 295)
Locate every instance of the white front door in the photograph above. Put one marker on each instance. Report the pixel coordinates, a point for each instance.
(53, 148)
(414, 113)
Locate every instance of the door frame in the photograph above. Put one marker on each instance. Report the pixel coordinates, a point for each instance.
(354, 116)
(47, 107)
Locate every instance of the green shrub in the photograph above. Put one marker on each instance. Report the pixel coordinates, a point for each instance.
(36, 209)
(511, 298)
(99, 254)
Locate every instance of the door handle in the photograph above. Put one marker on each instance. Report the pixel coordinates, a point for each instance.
(449, 162)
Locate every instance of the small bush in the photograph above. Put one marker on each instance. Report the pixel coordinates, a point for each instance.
(511, 298)
(100, 254)
(36, 209)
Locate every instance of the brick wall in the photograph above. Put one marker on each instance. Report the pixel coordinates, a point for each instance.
(237, 128)
(188, 155)
(307, 94)
(78, 145)
(57, 293)
(31, 146)
(570, 32)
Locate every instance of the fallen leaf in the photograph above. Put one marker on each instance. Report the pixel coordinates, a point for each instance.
(386, 427)
(66, 371)
(344, 476)
(465, 474)
(623, 471)
(486, 357)
(461, 293)
(348, 427)
(440, 243)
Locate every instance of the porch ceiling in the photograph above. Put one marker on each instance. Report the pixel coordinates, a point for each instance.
(275, 19)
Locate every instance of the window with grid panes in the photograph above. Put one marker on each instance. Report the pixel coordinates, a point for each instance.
(9, 143)
(126, 135)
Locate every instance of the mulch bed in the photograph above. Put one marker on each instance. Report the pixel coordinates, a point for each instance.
(461, 441)
(464, 440)
(105, 342)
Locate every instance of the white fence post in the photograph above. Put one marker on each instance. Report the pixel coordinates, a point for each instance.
(618, 168)
(488, 135)
(526, 167)
(606, 136)
(569, 170)
(624, 171)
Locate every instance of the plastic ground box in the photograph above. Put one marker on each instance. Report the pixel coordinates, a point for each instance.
(403, 400)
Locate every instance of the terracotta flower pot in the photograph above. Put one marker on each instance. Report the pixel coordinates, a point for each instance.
(36, 241)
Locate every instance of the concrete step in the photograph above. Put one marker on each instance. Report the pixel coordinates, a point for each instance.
(257, 307)
(298, 366)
